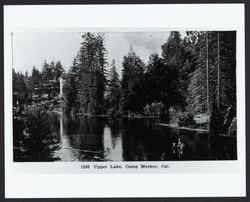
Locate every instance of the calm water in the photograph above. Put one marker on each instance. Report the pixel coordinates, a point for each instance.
(99, 139)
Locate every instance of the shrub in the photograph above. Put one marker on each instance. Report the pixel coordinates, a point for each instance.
(34, 140)
(18, 138)
(179, 118)
(154, 109)
(113, 112)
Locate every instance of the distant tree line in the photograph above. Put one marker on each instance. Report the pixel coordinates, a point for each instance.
(25, 82)
(194, 74)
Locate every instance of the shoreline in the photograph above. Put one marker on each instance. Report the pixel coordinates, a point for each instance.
(104, 115)
(200, 130)
(182, 128)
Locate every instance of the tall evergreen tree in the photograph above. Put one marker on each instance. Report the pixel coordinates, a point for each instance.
(18, 82)
(113, 94)
(47, 71)
(92, 64)
(71, 88)
(132, 82)
(161, 81)
(213, 82)
(57, 70)
(197, 89)
(36, 78)
(177, 57)
(172, 49)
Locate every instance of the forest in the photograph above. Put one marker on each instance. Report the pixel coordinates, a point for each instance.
(193, 78)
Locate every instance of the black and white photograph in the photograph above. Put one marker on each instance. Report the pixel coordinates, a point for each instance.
(110, 101)
(124, 96)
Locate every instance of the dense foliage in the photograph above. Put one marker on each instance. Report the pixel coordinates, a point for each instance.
(24, 81)
(194, 74)
(33, 137)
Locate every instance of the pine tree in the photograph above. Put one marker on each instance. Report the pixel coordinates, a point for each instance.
(132, 83)
(151, 81)
(198, 87)
(71, 88)
(215, 64)
(113, 94)
(36, 78)
(177, 57)
(47, 71)
(18, 82)
(172, 49)
(57, 70)
(92, 64)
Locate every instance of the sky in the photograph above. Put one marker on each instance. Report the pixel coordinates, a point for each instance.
(31, 49)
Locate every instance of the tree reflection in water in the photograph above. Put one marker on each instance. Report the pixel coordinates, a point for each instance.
(99, 139)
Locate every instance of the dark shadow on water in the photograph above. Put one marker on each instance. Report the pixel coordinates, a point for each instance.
(102, 139)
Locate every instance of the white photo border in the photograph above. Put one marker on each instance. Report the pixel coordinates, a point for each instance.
(199, 176)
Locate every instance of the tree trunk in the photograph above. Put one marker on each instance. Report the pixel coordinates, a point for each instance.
(228, 120)
(218, 69)
(208, 94)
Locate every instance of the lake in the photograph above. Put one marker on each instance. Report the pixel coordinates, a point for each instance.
(101, 139)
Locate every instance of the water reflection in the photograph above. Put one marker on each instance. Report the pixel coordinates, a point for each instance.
(65, 152)
(99, 139)
(112, 145)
